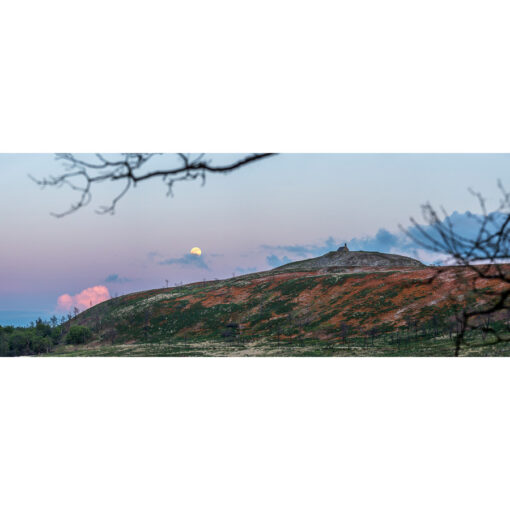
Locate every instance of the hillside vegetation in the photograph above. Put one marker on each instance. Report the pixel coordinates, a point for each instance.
(331, 311)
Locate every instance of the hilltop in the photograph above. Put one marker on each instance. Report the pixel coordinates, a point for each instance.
(343, 257)
(343, 303)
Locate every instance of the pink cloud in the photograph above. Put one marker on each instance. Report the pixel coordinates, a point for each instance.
(85, 299)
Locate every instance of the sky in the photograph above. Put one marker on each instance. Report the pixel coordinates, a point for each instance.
(288, 207)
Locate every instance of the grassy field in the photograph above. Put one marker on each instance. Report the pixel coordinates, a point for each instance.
(266, 346)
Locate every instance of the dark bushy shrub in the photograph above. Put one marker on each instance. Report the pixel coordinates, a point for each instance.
(78, 335)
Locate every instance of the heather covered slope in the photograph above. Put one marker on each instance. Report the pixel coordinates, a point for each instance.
(327, 311)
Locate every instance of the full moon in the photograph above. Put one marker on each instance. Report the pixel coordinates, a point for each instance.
(196, 251)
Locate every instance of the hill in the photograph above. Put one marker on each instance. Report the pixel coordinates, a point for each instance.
(343, 257)
(294, 310)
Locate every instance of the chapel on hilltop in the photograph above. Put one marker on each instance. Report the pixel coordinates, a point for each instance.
(343, 249)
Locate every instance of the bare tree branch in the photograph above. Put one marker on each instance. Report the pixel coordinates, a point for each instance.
(485, 279)
(81, 175)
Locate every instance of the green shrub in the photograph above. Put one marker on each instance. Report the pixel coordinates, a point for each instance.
(78, 335)
(56, 333)
(4, 347)
(40, 344)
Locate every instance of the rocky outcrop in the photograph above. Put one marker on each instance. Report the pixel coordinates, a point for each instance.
(345, 258)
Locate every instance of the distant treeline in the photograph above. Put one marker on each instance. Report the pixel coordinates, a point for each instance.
(40, 337)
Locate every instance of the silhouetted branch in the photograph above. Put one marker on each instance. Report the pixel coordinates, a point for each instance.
(82, 174)
(482, 258)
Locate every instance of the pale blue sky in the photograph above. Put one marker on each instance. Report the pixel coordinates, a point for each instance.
(291, 199)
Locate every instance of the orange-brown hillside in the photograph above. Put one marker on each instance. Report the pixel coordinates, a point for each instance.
(288, 303)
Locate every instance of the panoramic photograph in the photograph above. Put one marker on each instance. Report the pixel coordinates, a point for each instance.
(258, 254)
(254, 255)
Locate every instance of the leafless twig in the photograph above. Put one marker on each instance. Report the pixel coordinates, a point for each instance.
(83, 174)
(483, 257)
